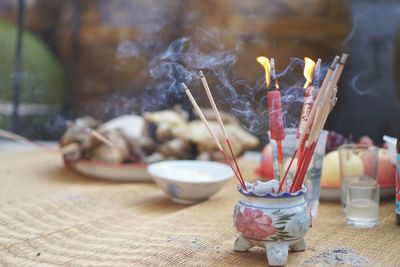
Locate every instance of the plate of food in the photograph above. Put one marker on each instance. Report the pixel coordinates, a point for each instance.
(115, 171)
(105, 151)
(122, 148)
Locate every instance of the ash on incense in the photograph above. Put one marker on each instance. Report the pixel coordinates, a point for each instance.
(336, 257)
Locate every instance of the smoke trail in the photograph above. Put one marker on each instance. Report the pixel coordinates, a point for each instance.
(360, 92)
(181, 62)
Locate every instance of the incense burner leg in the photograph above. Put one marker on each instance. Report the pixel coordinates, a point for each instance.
(277, 253)
(299, 246)
(242, 244)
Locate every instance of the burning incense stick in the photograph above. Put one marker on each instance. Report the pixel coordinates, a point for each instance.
(304, 134)
(221, 124)
(320, 119)
(309, 97)
(325, 105)
(317, 71)
(211, 132)
(319, 98)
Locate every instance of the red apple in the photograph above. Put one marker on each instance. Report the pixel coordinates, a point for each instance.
(386, 170)
(365, 140)
(368, 158)
(266, 168)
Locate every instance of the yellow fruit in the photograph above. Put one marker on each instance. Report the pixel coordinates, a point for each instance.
(330, 177)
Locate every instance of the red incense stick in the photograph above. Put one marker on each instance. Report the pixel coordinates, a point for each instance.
(220, 122)
(299, 171)
(304, 135)
(242, 183)
(211, 132)
(234, 158)
(299, 180)
(287, 171)
(321, 112)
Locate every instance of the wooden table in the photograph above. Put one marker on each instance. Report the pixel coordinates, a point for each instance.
(51, 216)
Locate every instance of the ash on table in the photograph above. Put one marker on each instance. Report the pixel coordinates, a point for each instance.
(338, 256)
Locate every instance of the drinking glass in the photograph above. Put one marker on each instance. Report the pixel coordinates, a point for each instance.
(358, 163)
(313, 175)
(362, 203)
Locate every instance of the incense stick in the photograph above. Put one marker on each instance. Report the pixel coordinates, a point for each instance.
(320, 119)
(324, 108)
(319, 98)
(317, 71)
(211, 132)
(309, 122)
(221, 124)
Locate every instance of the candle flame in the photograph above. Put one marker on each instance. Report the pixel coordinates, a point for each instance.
(265, 63)
(308, 73)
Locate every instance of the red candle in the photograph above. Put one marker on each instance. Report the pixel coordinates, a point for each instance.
(275, 115)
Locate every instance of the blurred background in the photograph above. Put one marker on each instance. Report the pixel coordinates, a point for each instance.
(60, 60)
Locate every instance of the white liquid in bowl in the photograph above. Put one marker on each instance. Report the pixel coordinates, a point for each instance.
(191, 171)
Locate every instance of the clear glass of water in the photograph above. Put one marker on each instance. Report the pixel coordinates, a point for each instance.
(358, 163)
(362, 203)
(313, 175)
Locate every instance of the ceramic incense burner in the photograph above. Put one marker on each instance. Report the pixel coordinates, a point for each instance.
(275, 222)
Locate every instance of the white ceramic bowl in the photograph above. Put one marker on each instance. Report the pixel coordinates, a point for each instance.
(190, 181)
